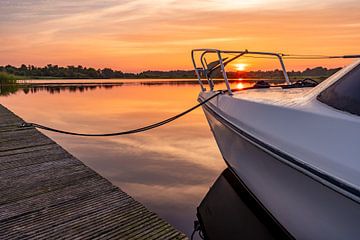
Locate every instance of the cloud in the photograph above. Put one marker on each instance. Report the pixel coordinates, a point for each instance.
(109, 33)
(150, 159)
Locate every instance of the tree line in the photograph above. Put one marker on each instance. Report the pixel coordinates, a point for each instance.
(55, 71)
(62, 72)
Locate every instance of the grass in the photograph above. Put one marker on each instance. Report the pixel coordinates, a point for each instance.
(8, 84)
(6, 78)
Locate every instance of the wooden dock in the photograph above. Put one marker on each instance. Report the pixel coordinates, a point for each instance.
(46, 193)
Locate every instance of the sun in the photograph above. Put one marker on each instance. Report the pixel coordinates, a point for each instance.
(240, 86)
(240, 66)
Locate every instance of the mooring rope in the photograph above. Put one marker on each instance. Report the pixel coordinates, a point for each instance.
(142, 129)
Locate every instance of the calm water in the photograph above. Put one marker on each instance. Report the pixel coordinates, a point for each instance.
(168, 169)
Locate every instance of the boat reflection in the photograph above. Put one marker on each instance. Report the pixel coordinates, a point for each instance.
(229, 211)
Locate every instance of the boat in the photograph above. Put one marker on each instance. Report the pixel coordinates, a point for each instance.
(294, 146)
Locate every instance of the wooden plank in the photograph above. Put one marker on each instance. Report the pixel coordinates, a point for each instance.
(45, 153)
(45, 148)
(87, 187)
(46, 193)
(26, 138)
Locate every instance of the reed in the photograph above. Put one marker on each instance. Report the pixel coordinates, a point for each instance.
(8, 84)
(6, 78)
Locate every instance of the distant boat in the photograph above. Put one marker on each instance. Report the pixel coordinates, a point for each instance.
(295, 147)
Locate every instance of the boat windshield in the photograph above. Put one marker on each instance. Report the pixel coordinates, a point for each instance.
(344, 94)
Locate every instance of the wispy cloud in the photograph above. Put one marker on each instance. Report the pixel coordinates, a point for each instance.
(102, 33)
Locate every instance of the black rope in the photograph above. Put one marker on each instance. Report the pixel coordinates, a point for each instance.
(307, 82)
(142, 129)
(197, 228)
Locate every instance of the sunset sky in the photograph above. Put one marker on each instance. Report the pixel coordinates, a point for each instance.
(137, 35)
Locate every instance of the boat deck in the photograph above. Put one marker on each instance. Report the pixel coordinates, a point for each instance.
(46, 193)
(274, 96)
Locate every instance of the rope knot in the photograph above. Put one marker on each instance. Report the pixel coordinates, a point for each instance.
(25, 124)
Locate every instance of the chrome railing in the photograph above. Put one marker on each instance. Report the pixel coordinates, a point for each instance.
(205, 70)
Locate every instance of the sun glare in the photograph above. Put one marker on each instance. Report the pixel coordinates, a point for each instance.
(240, 86)
(240, 66)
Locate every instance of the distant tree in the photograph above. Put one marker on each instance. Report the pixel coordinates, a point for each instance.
(107, 73)
(23, 70)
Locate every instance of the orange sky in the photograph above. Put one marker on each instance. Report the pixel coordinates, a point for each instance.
(136, 35)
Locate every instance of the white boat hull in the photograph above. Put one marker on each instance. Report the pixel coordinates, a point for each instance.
(303, 205)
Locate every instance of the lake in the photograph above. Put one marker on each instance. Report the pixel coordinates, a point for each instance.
(168, 169)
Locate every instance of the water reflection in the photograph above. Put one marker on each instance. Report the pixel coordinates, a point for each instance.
(53, 89)
(229, 211)
(217, 82)
(8, 89)
(169, 169)
(73, 86)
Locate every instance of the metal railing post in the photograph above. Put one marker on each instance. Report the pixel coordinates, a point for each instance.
(209, 79)
(203, 62)
(284, 69)
(203, 89)
(224, 73)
